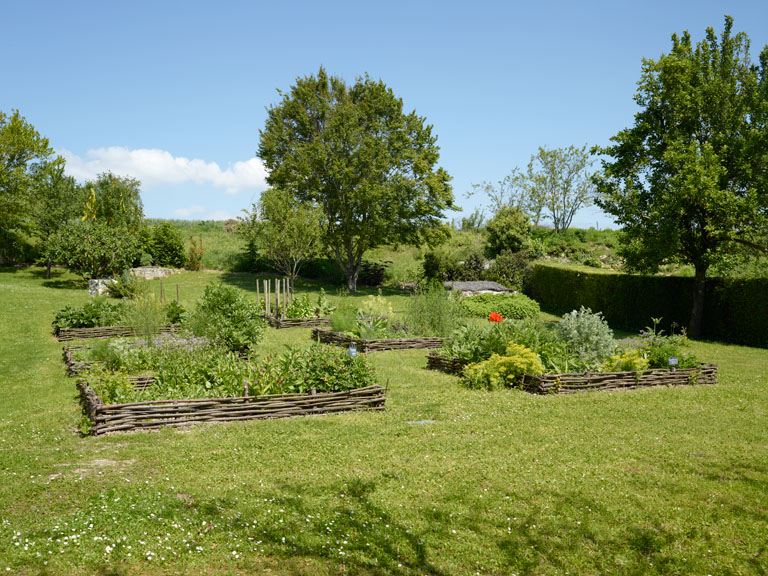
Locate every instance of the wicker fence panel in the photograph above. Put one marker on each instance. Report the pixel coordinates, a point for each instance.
(281, 323)
(341, 339)
(158, 413)
(66, 334)
(584, 382)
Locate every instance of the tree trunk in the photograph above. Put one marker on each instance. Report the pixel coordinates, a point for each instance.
(48, 269)
(350, 276)
(697, 312)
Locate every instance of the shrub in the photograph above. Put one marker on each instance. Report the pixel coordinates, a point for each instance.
(196, 251)
(224, 316)
(174, 312)
(96, 312)
(511, 269)
(510, 306)
(508, 230)
(301, 307)
(371, 273)
(95, 250)
(503, 371)
(587, 334)
(627, 361)
(127, 286)
(473, 343)
(167, 246)
(344, 318)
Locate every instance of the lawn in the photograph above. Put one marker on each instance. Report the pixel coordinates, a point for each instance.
(445, 481)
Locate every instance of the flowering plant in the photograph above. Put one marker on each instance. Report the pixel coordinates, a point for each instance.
(495, 317)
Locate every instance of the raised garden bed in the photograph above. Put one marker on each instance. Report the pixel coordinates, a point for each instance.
(76, 367)
(66, 334)
(341, 339)
(159, 413)
(584, 382)
(280, 323)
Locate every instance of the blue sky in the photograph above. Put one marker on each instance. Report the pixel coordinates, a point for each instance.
(174, 93)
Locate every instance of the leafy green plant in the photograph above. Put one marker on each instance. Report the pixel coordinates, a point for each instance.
(503, 371)
(587, 334)
(126, 285)
(175, 312)
(96, 312)
(344, 318)
(167, 246)
(301, 307)
(95, 250)
(510, 306)
(658, 348)
(196, 251)
(224, 316)
(323, 307)
(627, 361)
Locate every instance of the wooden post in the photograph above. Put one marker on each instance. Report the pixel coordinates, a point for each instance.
(258, 302)
(177, 293)
(266, 297)
(285, 295)
(277, 298)
(162, 291)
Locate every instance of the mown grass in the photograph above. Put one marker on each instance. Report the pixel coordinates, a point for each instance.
(445, 481)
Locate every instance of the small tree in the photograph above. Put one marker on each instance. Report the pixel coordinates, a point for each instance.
(556, 185)
(95, 250)
(288, 232)
(115, 200)
(689, 181)
(370, 167)
(508, 230)
(58, 201)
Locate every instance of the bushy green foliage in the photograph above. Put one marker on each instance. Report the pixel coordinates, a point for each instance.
(175, 312)
(301, 307)
(475, 342)
(166, 246)
(94, 249)
(192, 368)
(626, 361)
(587, 334)
(508, 230)
(98, 311)
(224, 316)
(126, 285)
(196, 251)
(503, 371)
(510, 306)
(511, 269)
(445, 266)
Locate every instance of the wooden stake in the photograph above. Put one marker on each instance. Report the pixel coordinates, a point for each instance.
(162, 291)
(177, 293)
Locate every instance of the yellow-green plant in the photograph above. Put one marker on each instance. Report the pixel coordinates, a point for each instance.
(503, 371)
(628, 361)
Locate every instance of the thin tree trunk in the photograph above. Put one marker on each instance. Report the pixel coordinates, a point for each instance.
(697, 312)
(48, 269)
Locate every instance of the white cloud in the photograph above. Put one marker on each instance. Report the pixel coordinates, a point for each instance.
(155, 167)
(202, 213)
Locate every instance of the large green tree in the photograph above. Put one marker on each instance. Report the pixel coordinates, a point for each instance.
(355, 153)
(286, 231)
(23, 157)
(688, 182)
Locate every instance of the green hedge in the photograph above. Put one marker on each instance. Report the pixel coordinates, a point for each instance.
(736, 310)
(510, 306)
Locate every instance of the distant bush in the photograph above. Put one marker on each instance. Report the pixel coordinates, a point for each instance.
(126, 285)
(511, 269)
(510, 306)
(167, 246)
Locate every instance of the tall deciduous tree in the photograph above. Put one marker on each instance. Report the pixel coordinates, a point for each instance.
(555, 185)
(288, 232)
(689, 181)
(355, 153)
(23, 156)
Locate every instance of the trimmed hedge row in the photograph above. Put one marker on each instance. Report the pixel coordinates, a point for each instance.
(736, 310)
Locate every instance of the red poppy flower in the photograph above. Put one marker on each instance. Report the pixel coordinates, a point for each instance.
(495, 317)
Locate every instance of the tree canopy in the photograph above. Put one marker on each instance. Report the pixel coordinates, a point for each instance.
(688, 182)
(24, 154)
(114, 200)
(370, 167)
